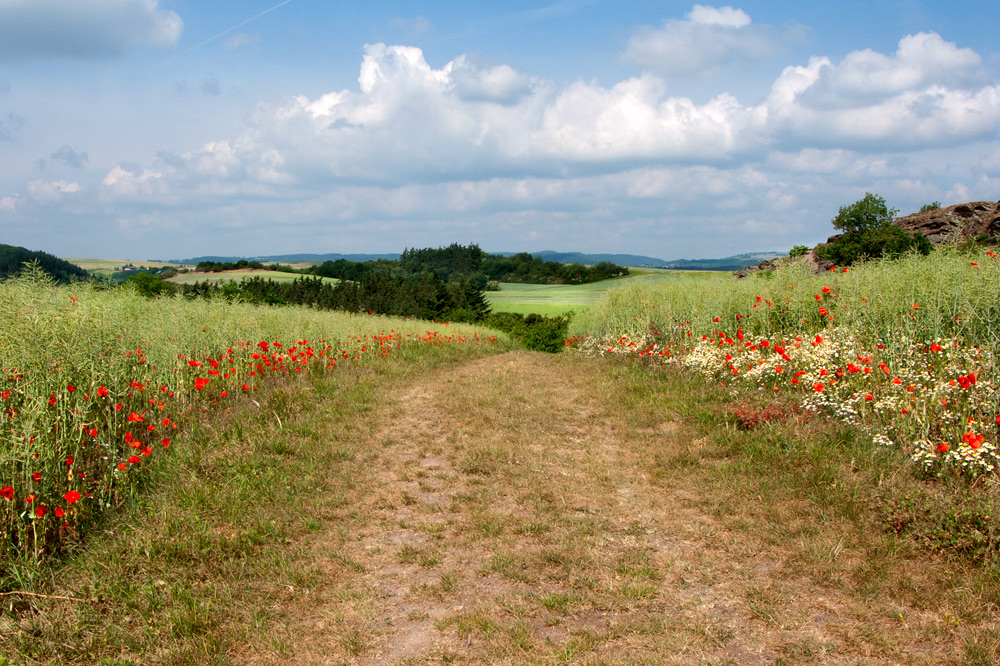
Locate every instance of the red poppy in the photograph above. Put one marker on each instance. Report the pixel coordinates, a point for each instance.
(59, 512)
(165, 442)
(7, 492)
(103, 391)
(942, 447)
(40, 510)
(200, 383)
(135, 418)
(71, 496)
(133, 459)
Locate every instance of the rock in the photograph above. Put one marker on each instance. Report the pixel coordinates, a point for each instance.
(961, 223)
(976, 220)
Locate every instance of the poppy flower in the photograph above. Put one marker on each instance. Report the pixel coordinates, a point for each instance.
(59, 512)
(7, 492)
(40, 510)
(37, 476)
(942, 447)
(71, 496)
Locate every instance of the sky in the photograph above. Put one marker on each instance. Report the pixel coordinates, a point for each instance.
(167, 129)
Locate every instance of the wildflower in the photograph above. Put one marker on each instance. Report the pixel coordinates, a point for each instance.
(40, 510)
(825, 290)
(943, 447)
(7, 492)
(103, 391)
(200, 383)
(135, 418)
(71, 496)
(817, 387)
(165, 442)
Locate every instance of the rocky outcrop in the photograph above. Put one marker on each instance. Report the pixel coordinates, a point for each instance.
(976, 220)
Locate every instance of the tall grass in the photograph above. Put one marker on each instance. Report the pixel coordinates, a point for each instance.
(907, 349)
(94, 384)
(957, 294)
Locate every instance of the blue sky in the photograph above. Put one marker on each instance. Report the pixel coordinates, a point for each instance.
(144, 129)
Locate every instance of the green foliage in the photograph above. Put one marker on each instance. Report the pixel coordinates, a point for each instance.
(535, 332)
(148, 285)
(869, 233)
(934, 205)
(13, 259)
(797, 251)
(457, 262)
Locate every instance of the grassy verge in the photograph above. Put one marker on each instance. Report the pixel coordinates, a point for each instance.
(192, 567)
(443, 508)
(94, 385)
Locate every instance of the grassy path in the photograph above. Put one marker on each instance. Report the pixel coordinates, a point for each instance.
(511, 509)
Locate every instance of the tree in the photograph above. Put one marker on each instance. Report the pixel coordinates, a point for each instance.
(868, 214)
(869, 233)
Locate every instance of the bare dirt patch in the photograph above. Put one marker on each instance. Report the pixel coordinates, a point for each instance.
(511, 510)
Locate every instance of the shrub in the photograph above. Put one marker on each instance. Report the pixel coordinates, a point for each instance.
(535, 332)
(934, 205)
(869, 233)
(797, 251)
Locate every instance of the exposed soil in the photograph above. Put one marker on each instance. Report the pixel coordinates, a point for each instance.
(508, 510)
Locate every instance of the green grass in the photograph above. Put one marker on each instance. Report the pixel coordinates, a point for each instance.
(237, 275)
(558, 299)
(108, 266)
(94, 384)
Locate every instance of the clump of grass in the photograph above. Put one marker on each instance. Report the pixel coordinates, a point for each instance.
(97, 384)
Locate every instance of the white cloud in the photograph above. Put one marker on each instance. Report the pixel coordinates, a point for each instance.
(95, 28)
(9, 203)
(709, 39)
(121, 183)
(727, 16)
(46, 190)
(929, 92)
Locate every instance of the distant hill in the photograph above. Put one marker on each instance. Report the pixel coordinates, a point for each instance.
(13, 258)
(734, 263)
(289, 258)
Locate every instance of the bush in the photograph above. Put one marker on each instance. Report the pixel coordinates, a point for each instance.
(535, 332)
(934, 205)
(797, 251)
(869, 233)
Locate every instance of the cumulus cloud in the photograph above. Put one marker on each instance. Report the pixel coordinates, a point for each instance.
(709, 39)
(473, 146)
(73, 29)
(928, 93)
(410, 122)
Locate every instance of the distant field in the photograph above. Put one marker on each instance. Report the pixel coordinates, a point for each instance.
(556, 299)
(225, 276)
(114, 265)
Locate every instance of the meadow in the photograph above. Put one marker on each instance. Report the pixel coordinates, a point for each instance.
(96, 382)
(800, 466)
(108, 266)
(558, 299)
(237, 275)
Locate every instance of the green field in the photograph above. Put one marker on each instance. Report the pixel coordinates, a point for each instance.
(237, 275)
(108, 266)
(557, 299)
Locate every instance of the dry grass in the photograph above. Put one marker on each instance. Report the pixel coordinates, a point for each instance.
(522, 508)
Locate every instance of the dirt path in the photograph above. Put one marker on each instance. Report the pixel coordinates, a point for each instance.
(508, 510)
